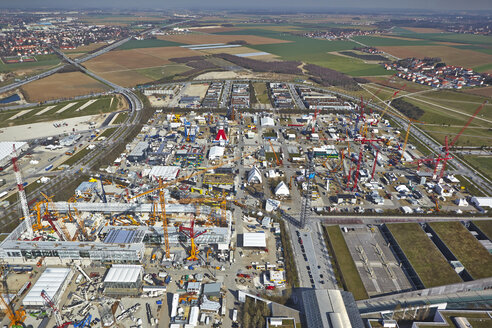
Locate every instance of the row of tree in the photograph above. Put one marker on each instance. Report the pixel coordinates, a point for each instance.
(282, 67)
(407, 109)
(254, 313)
(328, 77)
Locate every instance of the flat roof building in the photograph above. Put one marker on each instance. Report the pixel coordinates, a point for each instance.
(53, 281)
(123, 276)
(254, 239)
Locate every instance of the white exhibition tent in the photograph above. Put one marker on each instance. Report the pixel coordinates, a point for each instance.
(254, 239)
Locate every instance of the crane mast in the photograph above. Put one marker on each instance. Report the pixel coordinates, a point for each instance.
(22, 194)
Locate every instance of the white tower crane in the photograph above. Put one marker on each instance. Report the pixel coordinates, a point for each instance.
(22, 195)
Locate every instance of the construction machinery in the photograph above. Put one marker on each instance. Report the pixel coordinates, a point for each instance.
(56, 311)
(161, 188)
(192, 235)
(274, 153)
(16, 317)
(359, 160)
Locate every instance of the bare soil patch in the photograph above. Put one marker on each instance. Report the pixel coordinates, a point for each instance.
(62, 85)
(212, 38)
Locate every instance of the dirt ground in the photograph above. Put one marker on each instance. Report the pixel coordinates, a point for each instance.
(452, 56)
(122, 102)
(137, 58)
(126, 78)
(486, 91)
(223, 75)
(211, 38)
(195, 90)
(62, 85)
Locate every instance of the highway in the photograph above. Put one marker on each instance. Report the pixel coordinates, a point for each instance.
(56, 69)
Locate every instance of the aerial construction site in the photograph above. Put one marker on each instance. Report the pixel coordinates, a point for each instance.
(203, 209)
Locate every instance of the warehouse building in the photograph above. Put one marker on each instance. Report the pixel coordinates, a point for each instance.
(123, 279)
(53, 281)
(254, 239)
(139, 153)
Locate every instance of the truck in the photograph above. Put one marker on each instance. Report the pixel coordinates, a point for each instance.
(234, 315)
(49, 167)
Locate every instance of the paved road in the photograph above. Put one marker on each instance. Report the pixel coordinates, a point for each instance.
(79, 60)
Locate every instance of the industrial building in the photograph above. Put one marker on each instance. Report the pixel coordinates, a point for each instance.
(123, 278)
(53, 281)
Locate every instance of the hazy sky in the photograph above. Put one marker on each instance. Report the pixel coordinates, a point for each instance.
(252, 4)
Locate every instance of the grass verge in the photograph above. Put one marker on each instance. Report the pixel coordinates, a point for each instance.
(344, 265)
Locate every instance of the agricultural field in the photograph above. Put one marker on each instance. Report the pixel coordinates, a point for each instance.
(446, 112)
(430, 265)
(467, 249)
(202, 38)
(62, 86)
(448, 54)
(62, 110)
(150, 43)
(121, 60)
(139, 66)
(345, 263)
(43, 62)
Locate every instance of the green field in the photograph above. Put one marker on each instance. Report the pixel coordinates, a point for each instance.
(42, 60)
(375, 41)
(157, 73)
(76, 157)
(122, 116)
(430, 265)
(107, 133)
(467, 249)
(313, 51)
(485, 227)
(446, 112)
(483, 68)
(482, 163)
(150, 43)
(261, 93)
(470, 39)
(102, 105)
(345, 263)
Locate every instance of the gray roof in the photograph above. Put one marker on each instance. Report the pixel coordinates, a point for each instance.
(212, 288)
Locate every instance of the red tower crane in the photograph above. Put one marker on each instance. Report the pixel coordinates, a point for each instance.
(468, 123)
(359, 160)
(314, 119)
(52, 305)
(192, 234)
(446, 147)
